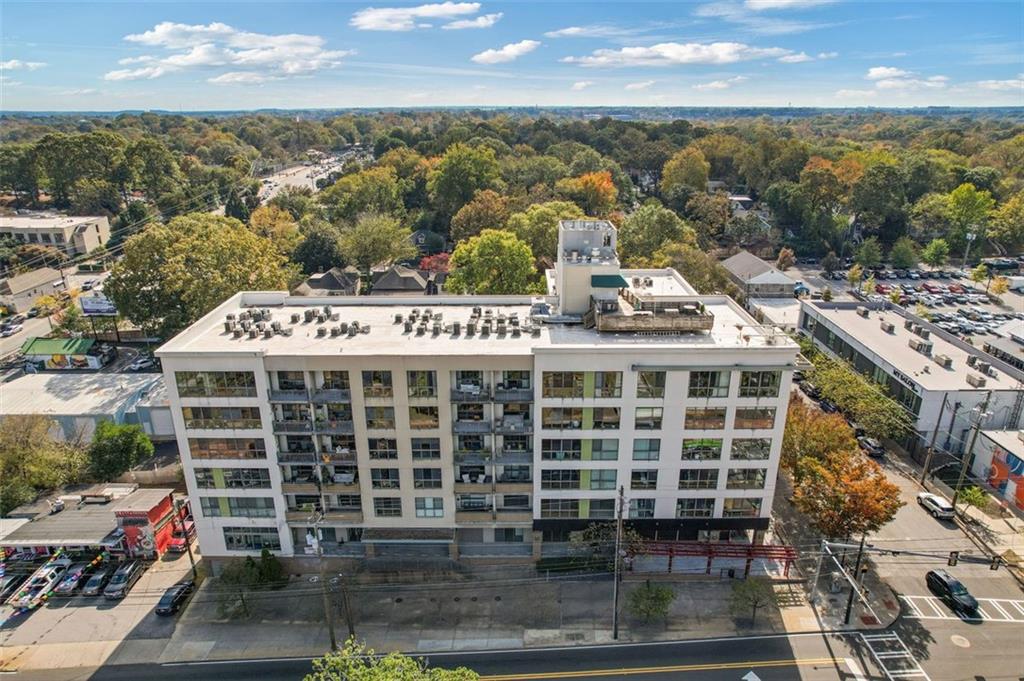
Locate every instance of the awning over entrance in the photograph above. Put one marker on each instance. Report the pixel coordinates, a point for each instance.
(608, 281)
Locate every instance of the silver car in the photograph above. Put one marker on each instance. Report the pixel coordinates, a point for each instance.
(936, 505)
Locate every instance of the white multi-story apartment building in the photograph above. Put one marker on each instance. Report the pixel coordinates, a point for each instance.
(73, 235)
(480, 425)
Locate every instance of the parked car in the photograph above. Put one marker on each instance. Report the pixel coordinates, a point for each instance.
(9, 584)
(174, 597)
(123, 580)
(811, 390)
(871, 447)
(951, 590)
(142, 364)
(72, 579)
(88, 285)
(97, 581)
(184, 533)
(11, 330)
(936, 505)
(828, 406)
(34, 312)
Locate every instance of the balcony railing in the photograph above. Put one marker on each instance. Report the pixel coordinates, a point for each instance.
(471, 393)
(513, 394)
(290, 395)
(378, 391)
(223, 424)
(513, 456)
(515, 514)
(334, 427)
(473, 456)
(339, 454)
(293, 426)
(513, 426)
(297, 456)
(338, 395)
(471, 427)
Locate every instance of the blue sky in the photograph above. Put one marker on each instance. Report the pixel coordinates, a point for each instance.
(108, 56)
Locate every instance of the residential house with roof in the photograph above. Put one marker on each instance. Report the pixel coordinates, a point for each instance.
(758, 279)
(20, 292)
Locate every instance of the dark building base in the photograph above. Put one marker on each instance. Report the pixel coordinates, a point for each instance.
(661, 529)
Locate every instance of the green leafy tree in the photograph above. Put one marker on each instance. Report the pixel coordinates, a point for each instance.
(493, 263)
(826, 294)
(979, 274)
(116, 449)
(974, 496)
(171, 275)
(869, 254)
(904, 253)
(865, 401)
(356, 662)
(704, 273)
(879, 201)
(650, 601)
(830, 263)
(320, 248)
(969, 208)
(538, 225)
(298, 201)
(487, 210)
(594, 192)
(936, 253)
(1007, 226)
(32, 461)
(684, 174)
(786, 259)
(750, 595)
(846, 496)
(869, 285)
(709, 214)
(70, 321)
(238, 578)
(595, 544)
(461, 172)
(376, 240)
(648, 229)
(235, 207)
(154, 165)
(998, 286)
(375, 190)
(855, 275)
(277, 225)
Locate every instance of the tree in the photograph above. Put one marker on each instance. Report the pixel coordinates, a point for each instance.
(298, 201)
(32, 461)
(648, 229)
(376, 240)
(320, 248)
(235, 207)
(869, 254)
(154, 165)
(704, 273)
(904, 254)
(238, 577)
(999, 286)
(70, 321)
(979, 273)
(171, 275)
(538, 225)
(974, 496)
(495, 262)
(854, 276)
(969, 208)
(936, 253)
(686, 172)
(649, 601)
(869, 285)
(356, 662)
(865, 401)
(594, 192)
(830, 263)
(750, 595)
(277, 225)
(811, 434)
(1007, 226)
(461, 172)
(879, 201)
(826, 294)
(40, 255)
(487, 210)
(595, 543)
(847, 495)
(270, 571)
(435, 263)
(786, 259)
(709, 214)
(116, 449)
(375, 190)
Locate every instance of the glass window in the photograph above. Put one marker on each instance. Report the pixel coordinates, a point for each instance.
(426, 478)
(517, 501)
(382, 448)
(469, 380)
(560, 450)
(238, 507)
(227, 448)
(381, 418)
(751, 449)
(698, 478)
(702, 449)
(641, 508)
(695, 508)
(512, 535)
(429, 507)
(471, 443)
(746, 478)
(251, 539)
(645, 479)
(517, 473)
(228, 478)
(755, 418)
(604, 450)
(291, 380)
(602, 508)
(560, 508)
(606, 418)
(426, 448)
(517, 443)
(562, 418)
(650, 384)
(560, 479)
(335, 380)
(387, 507)
(423, 417)
(349, 502)
(709, 384)
(221, 418)
(384, 478)
(703, 418)
(648, 418)
(760, 383)
(603, 478)
(377, 384)
(742, 508)
(646, 449)
(422, 383)
(607, 384)
(472, 502)
(215, 383)
(516, 380)
(562, 384)
(469, 412)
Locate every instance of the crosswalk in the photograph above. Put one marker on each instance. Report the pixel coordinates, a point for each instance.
(893, 657)
(989, 609)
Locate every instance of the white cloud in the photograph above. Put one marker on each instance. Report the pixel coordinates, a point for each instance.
(260, 56)
(759, 5)
(753, 21)
(670, 54)
(581, 85)
(6, 81)
(409, 18)
(642, 85)
(18, 65)
(509, 52)
(855, 94)
(720, 84)
(880, 72)
(78, 92)
(798, 58)
(934, 82)
(598, 31)
(827, 55)
(1012, 84)
(482, 21)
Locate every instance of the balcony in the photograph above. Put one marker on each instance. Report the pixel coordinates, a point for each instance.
(515, 515)
(339, 454)
(290, 395)
(502, 394)
(478, 487)
(378, 391)
(473, 456)
(297, 456)
(471, 427)
(513, 486)
(513, 456)
(474, 514)
(334, 427)
(333, 395)
(300, 486)
(293, 426)
(513, 425)
(471, 393)
(223, 424)
(344, 515)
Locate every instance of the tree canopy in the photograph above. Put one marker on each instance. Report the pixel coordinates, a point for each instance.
(494, 262)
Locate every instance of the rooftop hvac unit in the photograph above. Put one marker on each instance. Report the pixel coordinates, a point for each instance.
(437, 328)
(253, 333)
(470, 328)
(972, 360)
(983, 367)
(398, 318)
(924, 333)
(261, 326)
(352, 330)
(307, 316)
(485, 330)
(648, 281)
(354, 325)
(244, 314)
(515, 332)
(976, 381)
(862, 311)
(908, 324)
(944, 361)
(501, 328)
(365, 328)
(335, 316)
(637, 282)
(456, 328)
(421, 329)
(238, 333)
(536, 332)
(321, 318)
(408, 326)
(327, 309)
(335, 331)
(295, 317)
(321, 332)
(286, 332)
(888, 327)
(344, 327)
(229, 326)
(922, 346)
(268, 333)
(992, 372)
(230, 316)
(427, 312)
(416, 310)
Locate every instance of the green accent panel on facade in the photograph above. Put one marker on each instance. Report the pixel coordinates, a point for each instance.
(225, 507)
(588, 383)
(584, 508)
(586, 449)
(608, 281)
(584, 479)
(218, 478)
(588, 417)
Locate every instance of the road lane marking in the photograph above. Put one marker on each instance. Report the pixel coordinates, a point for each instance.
(855, 670)
(636, 671)
(989, 610)
(893, 657)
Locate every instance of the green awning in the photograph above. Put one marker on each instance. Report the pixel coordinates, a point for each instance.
(608, 281)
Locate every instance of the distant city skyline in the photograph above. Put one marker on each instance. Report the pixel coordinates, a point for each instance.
(216, 56)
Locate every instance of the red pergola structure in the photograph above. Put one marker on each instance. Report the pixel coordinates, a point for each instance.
(748, 552)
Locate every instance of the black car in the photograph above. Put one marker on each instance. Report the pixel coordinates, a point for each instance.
(828, 406)
(948, 588)
(9, 584)
(809, 389)
(174, 597)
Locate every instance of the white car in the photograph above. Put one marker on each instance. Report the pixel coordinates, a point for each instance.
(11, 330)
(936, 505)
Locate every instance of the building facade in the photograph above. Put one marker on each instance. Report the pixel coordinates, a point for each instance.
(480, 426)
(73, 235)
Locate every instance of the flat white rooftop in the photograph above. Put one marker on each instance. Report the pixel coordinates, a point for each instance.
(894, 348)
(68, 393)
(44, 221)
(784, 312)
(733, 329)
(1009, 440)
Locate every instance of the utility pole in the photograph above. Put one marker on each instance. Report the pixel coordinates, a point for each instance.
(982, 416)
(177, 523)
(618, 559)
(324, 586)
(931, 445)
(346, 605)
(854, 582)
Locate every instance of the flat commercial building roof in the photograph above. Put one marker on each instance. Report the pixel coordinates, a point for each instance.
(783, 312)
(1009, 440)
(65, 393)
(45, 221)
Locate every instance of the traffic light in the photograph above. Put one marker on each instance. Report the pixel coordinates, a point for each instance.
(996, 560)
(954, 556)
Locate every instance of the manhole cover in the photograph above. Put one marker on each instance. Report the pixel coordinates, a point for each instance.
(497, 598)
(458, 598)
(960, 641)
(473, 598)
(398, 600)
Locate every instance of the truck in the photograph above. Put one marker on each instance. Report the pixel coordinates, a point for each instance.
(40, 584)
(1016, 283)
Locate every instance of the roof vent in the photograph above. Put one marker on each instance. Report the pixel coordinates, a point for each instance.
(253, 333)
(908, 324)
(398, 318)
(229, 326)
(456, 328)
(536, 332)
(335, 331)
(238, 333)
(470, 328)
(408, 326)
(976, 381)
(365, 328)
(922, 346)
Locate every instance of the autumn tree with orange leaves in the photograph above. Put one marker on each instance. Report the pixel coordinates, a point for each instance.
(593, 192)
(812, 435)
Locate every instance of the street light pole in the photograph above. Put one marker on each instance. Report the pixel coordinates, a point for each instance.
(618, 558)
(853, 585)
(982, 415)
(970, 236)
